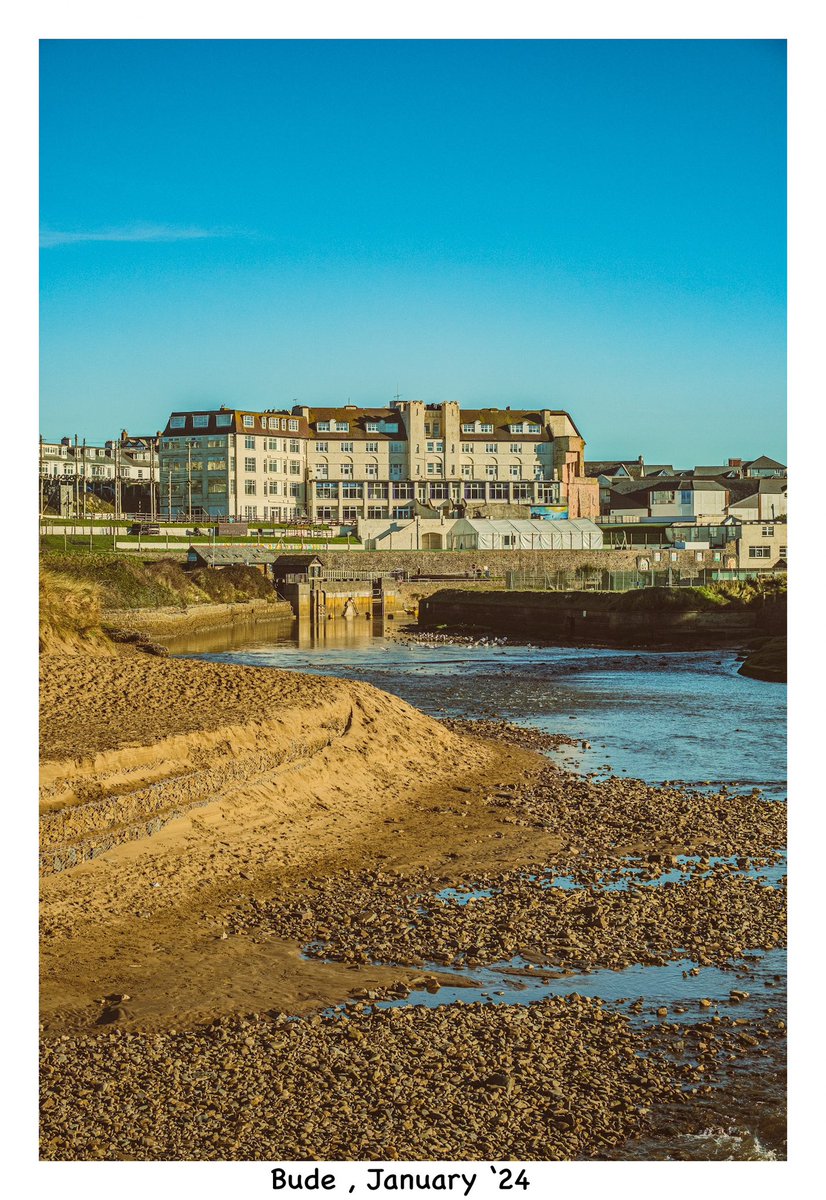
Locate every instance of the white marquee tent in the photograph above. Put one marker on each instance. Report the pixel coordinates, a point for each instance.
(485, 534)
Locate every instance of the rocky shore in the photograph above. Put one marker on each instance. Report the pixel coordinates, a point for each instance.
(242, 867)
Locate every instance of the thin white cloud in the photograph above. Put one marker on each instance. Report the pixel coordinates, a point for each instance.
(133, 233)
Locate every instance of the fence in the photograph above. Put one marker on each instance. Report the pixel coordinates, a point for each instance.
(337, 575)
(587, 579)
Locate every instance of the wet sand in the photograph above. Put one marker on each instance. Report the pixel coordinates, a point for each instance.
(229, 853)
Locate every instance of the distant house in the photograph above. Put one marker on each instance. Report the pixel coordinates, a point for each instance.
(764, 468)
(762, 546)
(757, 499)
(609, 473)
(668, 498)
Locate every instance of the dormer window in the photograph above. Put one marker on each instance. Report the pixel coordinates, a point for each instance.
(467, 428)
(201, 421)
(223, 419)
(518, 427)
(485, 428)
(177, 422)
(323, 426)
(343, 426)
(372, 426)
(533, 427)
(247, 421)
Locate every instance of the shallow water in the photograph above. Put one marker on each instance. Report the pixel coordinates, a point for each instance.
(685, 717)
(681, 716)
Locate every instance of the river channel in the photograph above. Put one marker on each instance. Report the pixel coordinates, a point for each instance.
(685, 717)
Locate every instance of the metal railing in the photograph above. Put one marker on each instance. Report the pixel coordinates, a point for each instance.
(587, 579)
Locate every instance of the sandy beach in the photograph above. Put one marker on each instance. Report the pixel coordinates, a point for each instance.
(228, 853)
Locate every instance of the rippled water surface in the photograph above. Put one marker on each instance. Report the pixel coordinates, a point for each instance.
(684, 716)
(656, 716)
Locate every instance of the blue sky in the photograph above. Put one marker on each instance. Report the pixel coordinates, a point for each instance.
(590, 225)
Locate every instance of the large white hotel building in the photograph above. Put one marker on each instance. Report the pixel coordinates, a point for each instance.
(350, 463)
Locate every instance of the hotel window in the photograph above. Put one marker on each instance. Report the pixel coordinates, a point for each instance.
(223, 419)
(372, 471)
(283, 423)
(295, 467)
(343, 426)
(249, 487)
(347, 470)
(250, 510)
(247, 421)
(321, 471)
(538, 473)
(533, 427)
(201, 421)
(322, 447)
(323, 426)
(376, 513)
(467, 470)
(349, 514)
(402, 491)
(295, 446)
(517, 428)
(346, 447)
(395, 470)
(783, 552)
(486, 429)
(351, 491)
(272, 422)
(377, 491)
(474, 491)
(760, 552)
(372, 447)
(438, 491)
(491, 447)
(467, 429)
(403, 512)
(516, 447)
(292, 424)
(434, 468)
(327, 491)
(177, 422)
(325, 513)
(272, 487)
(491, 471)
(249, 443)
(271, 443)
(467, 447)
(498, 491)
(685, 497)
(515, 471)
(372, 426)
(249, 464)
(521, 492)
(295, 489)
(767, 531)
(397, 447)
